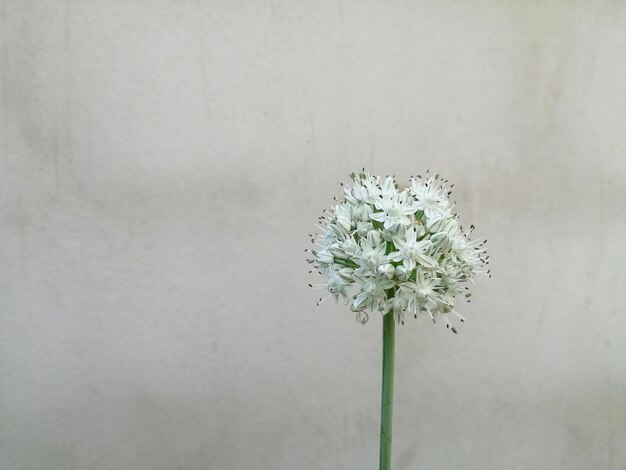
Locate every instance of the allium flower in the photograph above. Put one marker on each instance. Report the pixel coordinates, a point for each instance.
(397, 251)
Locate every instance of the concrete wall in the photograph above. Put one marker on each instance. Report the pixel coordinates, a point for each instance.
(163, 161)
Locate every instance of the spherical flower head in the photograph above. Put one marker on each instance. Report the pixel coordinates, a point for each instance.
(396, 251)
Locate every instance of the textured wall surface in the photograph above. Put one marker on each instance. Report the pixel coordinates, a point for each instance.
(163, 161)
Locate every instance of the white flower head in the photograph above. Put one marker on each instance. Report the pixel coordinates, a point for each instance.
(396, 251)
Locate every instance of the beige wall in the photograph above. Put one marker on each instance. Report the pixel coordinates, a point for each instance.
(162, 163)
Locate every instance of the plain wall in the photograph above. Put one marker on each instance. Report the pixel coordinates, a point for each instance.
(162, 163)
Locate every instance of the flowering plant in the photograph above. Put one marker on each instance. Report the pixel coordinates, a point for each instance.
(403, 250)
(396, 251)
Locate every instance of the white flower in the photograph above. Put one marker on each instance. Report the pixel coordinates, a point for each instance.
(372, 253)
(364, 190)
(373, 294)
(343, 218)
(337, 285)
(410, 251)
(430, 197)
(362, 212)
(396, 251)
(325, 258)
(395, 210)
(362, 228)
(425, 285)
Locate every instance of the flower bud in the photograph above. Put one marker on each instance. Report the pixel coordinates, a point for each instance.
(324, 258)
(387, 270)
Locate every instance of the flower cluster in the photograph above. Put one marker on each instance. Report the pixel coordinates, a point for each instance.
(396, 251)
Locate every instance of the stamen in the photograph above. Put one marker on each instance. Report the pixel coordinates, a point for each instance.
(431, 314)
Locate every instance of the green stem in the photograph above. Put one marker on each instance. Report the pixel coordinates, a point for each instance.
(386, 413)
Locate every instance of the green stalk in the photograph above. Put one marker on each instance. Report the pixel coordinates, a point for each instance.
(386, 413)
